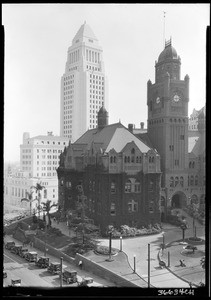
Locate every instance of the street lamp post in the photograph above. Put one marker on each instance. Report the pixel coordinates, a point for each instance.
(148, 265)
(120, 243)
(61, 272)
(134, 263)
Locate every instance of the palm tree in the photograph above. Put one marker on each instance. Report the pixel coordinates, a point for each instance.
(47, 207)
(29, 199)
(38, 188)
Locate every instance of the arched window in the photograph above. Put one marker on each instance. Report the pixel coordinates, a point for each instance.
(176, 181)
(196, 180)
(137, 160)
(111, 159)
(190, 164)
(140, 159)
(114, 159)
(150, 160)
(172, 182)
(191, 180)
(181, 181)
(128, 186)
(137, 186)
(188, 181)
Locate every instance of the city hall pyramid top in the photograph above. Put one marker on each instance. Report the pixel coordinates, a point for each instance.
(84, 33)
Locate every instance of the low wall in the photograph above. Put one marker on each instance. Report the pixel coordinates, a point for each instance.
(95, 268)
(51, 250)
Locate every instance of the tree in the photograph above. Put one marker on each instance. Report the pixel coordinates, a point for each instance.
(46, 208)
(29, 199)
(38, 188)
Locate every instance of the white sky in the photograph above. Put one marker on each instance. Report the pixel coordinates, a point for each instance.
(37, 37)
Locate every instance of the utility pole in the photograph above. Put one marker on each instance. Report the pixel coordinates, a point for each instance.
(61, 272)
(148, 265)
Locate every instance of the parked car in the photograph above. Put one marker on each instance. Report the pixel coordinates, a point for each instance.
(22, 252)
(43, 262)
(54, 268)
(16, 249)
(69, 276)
(31, 256)
(9, 245)
(86, 281)
(16, 282)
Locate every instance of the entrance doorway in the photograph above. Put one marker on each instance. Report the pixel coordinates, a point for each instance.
(178, 200)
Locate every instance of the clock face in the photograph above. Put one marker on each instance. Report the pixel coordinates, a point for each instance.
(157, 100)
(176, 98)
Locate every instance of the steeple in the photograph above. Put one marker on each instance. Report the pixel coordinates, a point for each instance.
(102, 117)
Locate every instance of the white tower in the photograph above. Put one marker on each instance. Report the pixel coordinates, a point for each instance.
(83, 86)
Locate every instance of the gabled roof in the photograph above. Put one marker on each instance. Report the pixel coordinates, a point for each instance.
(114, 136)
(121, 137)
(196, 144)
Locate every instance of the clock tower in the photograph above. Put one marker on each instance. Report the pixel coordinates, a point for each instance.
(167, 101)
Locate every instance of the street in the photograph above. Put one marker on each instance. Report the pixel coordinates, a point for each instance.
(31, 275)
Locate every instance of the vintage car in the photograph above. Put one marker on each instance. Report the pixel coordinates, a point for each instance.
(69, 276)
(86, 281)
(15, 282)
(22, 252)
(9, 245)
(31, 256)
(16, 249)
(54, 268)
(42, 262)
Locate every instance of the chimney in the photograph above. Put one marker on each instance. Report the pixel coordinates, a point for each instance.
(50, 133)
(142, 125)
(130, 127)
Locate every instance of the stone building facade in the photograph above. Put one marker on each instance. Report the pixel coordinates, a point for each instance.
(119, 173)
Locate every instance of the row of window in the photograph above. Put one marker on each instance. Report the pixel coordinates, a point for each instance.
(157, 121)
(26, 150)
(93, 68)
(192, 181)
(46, 174)
(48, 150)
(26, 157)
(49, 156)
(74, 56)
(69, 77)
(92, 56)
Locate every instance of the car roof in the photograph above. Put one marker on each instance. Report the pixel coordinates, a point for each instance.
(33, 252)
(69, 270)
(55, 263)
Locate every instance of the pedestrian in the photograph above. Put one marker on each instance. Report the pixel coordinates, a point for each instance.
(190, 284)
(183, 263)
(80, 264)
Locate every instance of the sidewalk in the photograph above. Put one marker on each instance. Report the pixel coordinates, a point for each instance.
(159, 277)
